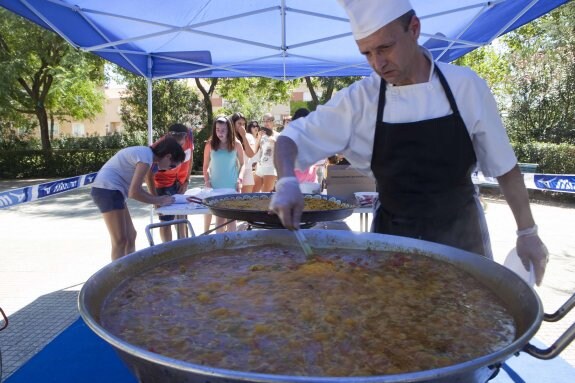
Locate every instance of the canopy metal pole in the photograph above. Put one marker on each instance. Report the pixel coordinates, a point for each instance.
(149, 82)
(283, 26)
(150, 124)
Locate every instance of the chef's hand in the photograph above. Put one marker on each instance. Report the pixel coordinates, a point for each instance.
(287, 202)
(164, 200)
(530, 248)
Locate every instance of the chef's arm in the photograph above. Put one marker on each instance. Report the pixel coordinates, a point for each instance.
(529, 246)
(287, 201)
(284, 157)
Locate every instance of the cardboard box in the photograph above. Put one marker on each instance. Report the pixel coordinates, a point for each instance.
(343, 180)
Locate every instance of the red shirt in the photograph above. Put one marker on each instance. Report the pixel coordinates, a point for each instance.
(168, 178)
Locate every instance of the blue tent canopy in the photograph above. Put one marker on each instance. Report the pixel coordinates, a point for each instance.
(279, 39)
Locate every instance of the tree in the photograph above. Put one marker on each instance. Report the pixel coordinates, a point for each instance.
(327, 85)
(542, 96)
(531, 71)
(490, 65)
(254, 96)
(207, 97)
(173, 101)
(42, 75)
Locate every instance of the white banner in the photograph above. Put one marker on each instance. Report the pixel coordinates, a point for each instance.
(564, 183)
(34, 192)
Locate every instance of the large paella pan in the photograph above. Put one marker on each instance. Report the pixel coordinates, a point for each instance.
(518, 297)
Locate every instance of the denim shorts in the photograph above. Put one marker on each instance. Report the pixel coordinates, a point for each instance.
(170, 190)
(107, 199)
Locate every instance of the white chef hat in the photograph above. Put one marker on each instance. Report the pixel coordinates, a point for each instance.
(367, 16)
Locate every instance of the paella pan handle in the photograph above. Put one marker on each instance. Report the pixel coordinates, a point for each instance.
(197, 200)
(563, 341)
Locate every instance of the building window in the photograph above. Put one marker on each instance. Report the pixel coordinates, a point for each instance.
(78, 130)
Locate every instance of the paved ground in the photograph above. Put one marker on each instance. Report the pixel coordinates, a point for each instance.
(49, 248)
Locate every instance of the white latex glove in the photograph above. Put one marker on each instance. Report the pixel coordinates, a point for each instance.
(287, 202)
(530, 248)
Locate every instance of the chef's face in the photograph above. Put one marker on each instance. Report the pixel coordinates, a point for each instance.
(391, 51)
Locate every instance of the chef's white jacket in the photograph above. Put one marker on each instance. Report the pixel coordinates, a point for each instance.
(346, 124)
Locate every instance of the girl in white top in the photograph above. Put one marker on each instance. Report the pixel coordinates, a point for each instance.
(266, 176)
(250, 146)
(121, 178)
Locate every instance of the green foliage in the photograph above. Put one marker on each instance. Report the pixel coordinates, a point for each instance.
(327, 86)
(295, 105)
(71, 156)
(77, 91)
(254, 96)
(552, 158)
(541, 100)
(490, 65)
(57, 163)
(10, 138)
(112, 141)
(200, 138)
(42, 76)
(531, 71)
(173, 101)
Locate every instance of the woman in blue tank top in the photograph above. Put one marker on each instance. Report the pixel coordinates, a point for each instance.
(223, 162)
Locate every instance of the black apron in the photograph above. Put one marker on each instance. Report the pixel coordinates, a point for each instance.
(423, 173)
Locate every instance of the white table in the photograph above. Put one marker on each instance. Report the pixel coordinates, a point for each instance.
(182, 209)
(194, 208)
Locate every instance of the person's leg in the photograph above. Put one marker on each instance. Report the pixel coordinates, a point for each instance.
(117, 228)
(220, 221)
(131, 232)
(207, 222)
(268, 183)
(258, 183)
(229, 227)
(182, 228)
(247, 188)
(166, 233)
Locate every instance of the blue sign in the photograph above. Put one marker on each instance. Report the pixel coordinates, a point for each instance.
(14, 197)
(34, 192)
(60, 186)
(560, 183)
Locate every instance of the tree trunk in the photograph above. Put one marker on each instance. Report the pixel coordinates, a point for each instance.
(314, 97)
(51, 127)
(207, 94)
(44, 131)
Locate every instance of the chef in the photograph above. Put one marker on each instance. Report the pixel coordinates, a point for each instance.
(420, 128)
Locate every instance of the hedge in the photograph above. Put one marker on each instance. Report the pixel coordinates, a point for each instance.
(54, 164)
(551, 158)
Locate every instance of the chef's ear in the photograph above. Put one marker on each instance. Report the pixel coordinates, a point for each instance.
(414, 27)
